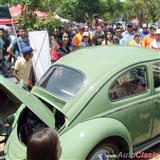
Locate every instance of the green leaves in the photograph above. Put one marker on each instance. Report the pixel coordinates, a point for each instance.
(82, 10)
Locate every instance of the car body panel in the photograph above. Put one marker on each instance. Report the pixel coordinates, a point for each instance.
(11, 152)
(87, 60)
(85, 135)
(92, 112)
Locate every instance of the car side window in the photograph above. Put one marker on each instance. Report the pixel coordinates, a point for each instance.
(156, 75)
(129, 83)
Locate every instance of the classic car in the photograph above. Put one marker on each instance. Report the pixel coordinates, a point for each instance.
(103, 101)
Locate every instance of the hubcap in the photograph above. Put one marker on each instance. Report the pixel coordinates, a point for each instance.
(104, 154)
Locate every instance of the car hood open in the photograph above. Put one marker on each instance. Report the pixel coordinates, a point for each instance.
(33, 103)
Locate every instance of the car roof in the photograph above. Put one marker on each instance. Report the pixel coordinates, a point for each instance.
(100, 60)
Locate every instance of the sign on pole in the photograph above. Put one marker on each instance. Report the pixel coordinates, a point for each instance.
(39, 41)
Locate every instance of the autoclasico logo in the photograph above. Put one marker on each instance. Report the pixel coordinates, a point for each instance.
(139, 155)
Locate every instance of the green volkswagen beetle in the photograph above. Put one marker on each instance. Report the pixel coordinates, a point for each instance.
(104, 101)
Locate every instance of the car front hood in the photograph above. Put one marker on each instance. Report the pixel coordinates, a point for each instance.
(32, 102)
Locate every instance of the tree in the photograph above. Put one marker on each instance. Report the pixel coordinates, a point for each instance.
(79, 10)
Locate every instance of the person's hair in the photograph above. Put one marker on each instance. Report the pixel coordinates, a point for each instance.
(1, 29)
(21, 28)
(42, 145)
(60, 38)
(95, 15)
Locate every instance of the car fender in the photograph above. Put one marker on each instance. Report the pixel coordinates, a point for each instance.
(78, 141)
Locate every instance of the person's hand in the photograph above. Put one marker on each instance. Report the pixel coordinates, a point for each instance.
(29, 83)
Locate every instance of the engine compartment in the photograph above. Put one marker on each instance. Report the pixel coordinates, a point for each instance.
(29, 123)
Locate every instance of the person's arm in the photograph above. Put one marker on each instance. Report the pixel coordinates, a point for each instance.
(10, 51)
(16, 69)
(29, 81)
(16, 75)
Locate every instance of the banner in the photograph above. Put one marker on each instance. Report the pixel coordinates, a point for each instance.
(39, 41)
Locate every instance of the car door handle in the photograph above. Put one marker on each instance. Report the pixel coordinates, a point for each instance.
(157, 101)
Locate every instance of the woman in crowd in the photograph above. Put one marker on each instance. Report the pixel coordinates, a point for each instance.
(62, 48)
(108, 38)
(44, 145)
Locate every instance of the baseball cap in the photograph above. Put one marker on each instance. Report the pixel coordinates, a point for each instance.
(129, 24)
(85, 34)
(27, 50)
(152, 26)
(158, 31)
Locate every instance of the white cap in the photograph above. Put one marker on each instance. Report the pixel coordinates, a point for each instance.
(86, 34)
(158, 31)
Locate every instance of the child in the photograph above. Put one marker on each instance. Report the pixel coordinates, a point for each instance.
(22, 70)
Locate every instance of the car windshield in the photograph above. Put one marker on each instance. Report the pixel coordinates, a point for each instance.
(62, 81)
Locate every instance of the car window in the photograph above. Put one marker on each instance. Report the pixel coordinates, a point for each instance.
(132, 82)
(156, 75)
(62, 81)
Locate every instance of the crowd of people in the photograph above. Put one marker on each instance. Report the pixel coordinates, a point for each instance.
(62, 42)
(72, 37)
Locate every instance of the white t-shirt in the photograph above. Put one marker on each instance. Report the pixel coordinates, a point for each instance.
(155, 44)
(23, 67)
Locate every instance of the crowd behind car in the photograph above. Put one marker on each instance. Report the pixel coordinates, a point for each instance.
(64, 40)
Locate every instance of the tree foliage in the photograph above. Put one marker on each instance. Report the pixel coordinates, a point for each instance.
(82, 10)
(79, 10)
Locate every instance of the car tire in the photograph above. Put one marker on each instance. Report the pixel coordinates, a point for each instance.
(105, 151)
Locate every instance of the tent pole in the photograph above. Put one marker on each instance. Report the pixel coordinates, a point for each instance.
(14, 30)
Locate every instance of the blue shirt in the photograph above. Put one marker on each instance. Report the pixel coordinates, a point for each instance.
(23, 42)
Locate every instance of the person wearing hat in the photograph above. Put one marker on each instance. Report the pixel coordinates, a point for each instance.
(23, 67)
(146, 42)
(86, 40)
(78, 37)
(155, 44)
(127, 35)
(144, 31)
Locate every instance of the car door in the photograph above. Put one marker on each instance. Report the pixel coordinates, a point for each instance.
(155, 76)
(130, 94)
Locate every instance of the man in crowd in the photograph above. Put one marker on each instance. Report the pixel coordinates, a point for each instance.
(4, 43)
(97, 21)
(155, 44)
(144, 31)
(127, 35)
(18, 43)
(149, 38)
(78, 37)
(118, 33)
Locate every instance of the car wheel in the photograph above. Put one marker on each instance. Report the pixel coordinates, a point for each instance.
(104, 151)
